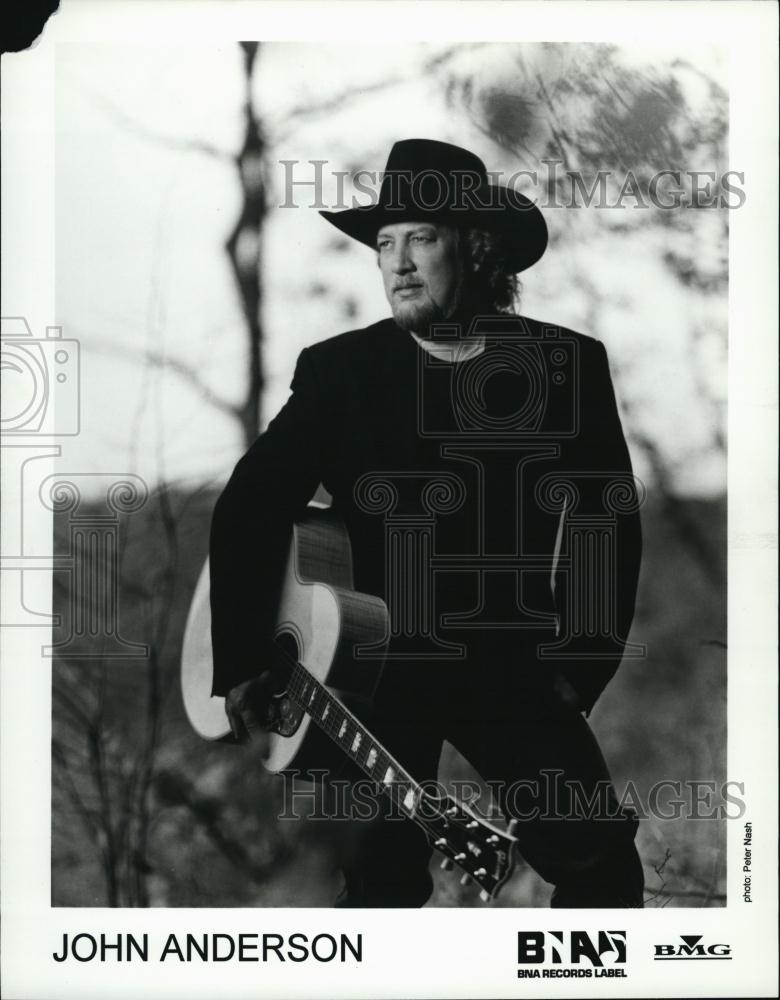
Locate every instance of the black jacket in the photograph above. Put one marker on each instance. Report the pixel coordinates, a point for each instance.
(530, 422)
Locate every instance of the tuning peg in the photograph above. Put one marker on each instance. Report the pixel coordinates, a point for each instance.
(492, 839)
(484, 896)
(446, 865)
(465, 879)
(512, 827)
(472, 824)
(441, 842)
(480, 873)
(460, 856)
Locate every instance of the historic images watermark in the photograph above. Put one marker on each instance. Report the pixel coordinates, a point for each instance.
(319, 795)
(550, 186)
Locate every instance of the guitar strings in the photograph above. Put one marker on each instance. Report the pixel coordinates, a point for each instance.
(300, 675)
(299, 678)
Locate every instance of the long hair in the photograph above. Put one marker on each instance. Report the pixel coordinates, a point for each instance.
(490, 279)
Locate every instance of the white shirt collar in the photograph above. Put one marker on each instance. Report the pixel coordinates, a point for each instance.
(453, 351)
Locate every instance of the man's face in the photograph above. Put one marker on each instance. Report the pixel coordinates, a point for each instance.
(421, 270)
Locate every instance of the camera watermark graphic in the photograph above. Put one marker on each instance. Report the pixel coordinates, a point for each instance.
(544, 366)
(41, 402)
(40, 381)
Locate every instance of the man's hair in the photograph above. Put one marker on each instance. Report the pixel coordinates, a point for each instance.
(491, 281)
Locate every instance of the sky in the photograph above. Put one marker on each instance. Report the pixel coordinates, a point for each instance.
(146, 196)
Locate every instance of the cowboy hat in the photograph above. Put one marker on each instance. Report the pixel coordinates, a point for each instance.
(427, 180)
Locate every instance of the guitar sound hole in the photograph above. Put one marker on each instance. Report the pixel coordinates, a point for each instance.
(289, 644)
(288, 714)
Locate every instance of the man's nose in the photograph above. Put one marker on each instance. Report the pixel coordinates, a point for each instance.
(402, 260)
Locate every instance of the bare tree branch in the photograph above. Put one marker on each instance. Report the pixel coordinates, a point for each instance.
(94, 820)
(343, 99)
(175, 790)
(76, 710)
(244, 246)
(160, 360)
(141, 131)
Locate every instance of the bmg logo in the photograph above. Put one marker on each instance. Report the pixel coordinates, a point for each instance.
(40, 380)
(571, 948)
(691, 950)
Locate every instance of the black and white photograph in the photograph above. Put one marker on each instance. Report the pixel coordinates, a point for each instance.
(389, 552)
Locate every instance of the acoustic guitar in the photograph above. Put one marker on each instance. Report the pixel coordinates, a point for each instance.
(322, 624)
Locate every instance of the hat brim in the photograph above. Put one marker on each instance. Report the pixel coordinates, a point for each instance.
(499, 210)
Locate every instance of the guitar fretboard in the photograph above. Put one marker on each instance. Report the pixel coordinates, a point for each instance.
(482, 851)
(355, 740)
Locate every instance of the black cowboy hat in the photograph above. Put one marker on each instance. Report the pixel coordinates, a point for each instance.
(426, 180)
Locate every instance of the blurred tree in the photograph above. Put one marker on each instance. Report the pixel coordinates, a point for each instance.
(104, 759)
(605, 128)
(154, 812)
(244, 247)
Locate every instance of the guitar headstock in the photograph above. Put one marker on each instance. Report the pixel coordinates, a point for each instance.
(480, 849)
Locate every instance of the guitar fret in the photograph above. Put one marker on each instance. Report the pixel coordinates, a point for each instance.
(451, 828)
(338, 723)
(326, 710)
(364, 757)
(381, 762)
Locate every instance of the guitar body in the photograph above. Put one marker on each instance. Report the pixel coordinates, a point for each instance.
(332, 642)
(321, 621)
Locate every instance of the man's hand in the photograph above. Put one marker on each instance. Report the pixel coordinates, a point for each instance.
(250, 709)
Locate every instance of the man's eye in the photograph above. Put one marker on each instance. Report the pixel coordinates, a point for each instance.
(422, 239)
(383, 244)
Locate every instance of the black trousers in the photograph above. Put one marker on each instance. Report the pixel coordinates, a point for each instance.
(543, 764)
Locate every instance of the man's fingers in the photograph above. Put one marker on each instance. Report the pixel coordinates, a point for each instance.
(249, 706)
(237, 727)
(251, 722)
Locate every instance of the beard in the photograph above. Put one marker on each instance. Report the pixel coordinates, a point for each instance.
(421, 317)
(417, 317)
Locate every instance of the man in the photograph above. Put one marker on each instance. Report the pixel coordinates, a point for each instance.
(490, 445)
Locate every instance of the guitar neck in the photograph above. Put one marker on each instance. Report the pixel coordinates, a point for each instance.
(345, 729)
(480, 849)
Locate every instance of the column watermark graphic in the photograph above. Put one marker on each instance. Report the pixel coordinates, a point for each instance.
(588, 553)
(91, 561)
(41, 403)
(409, 557)
(540, 538)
